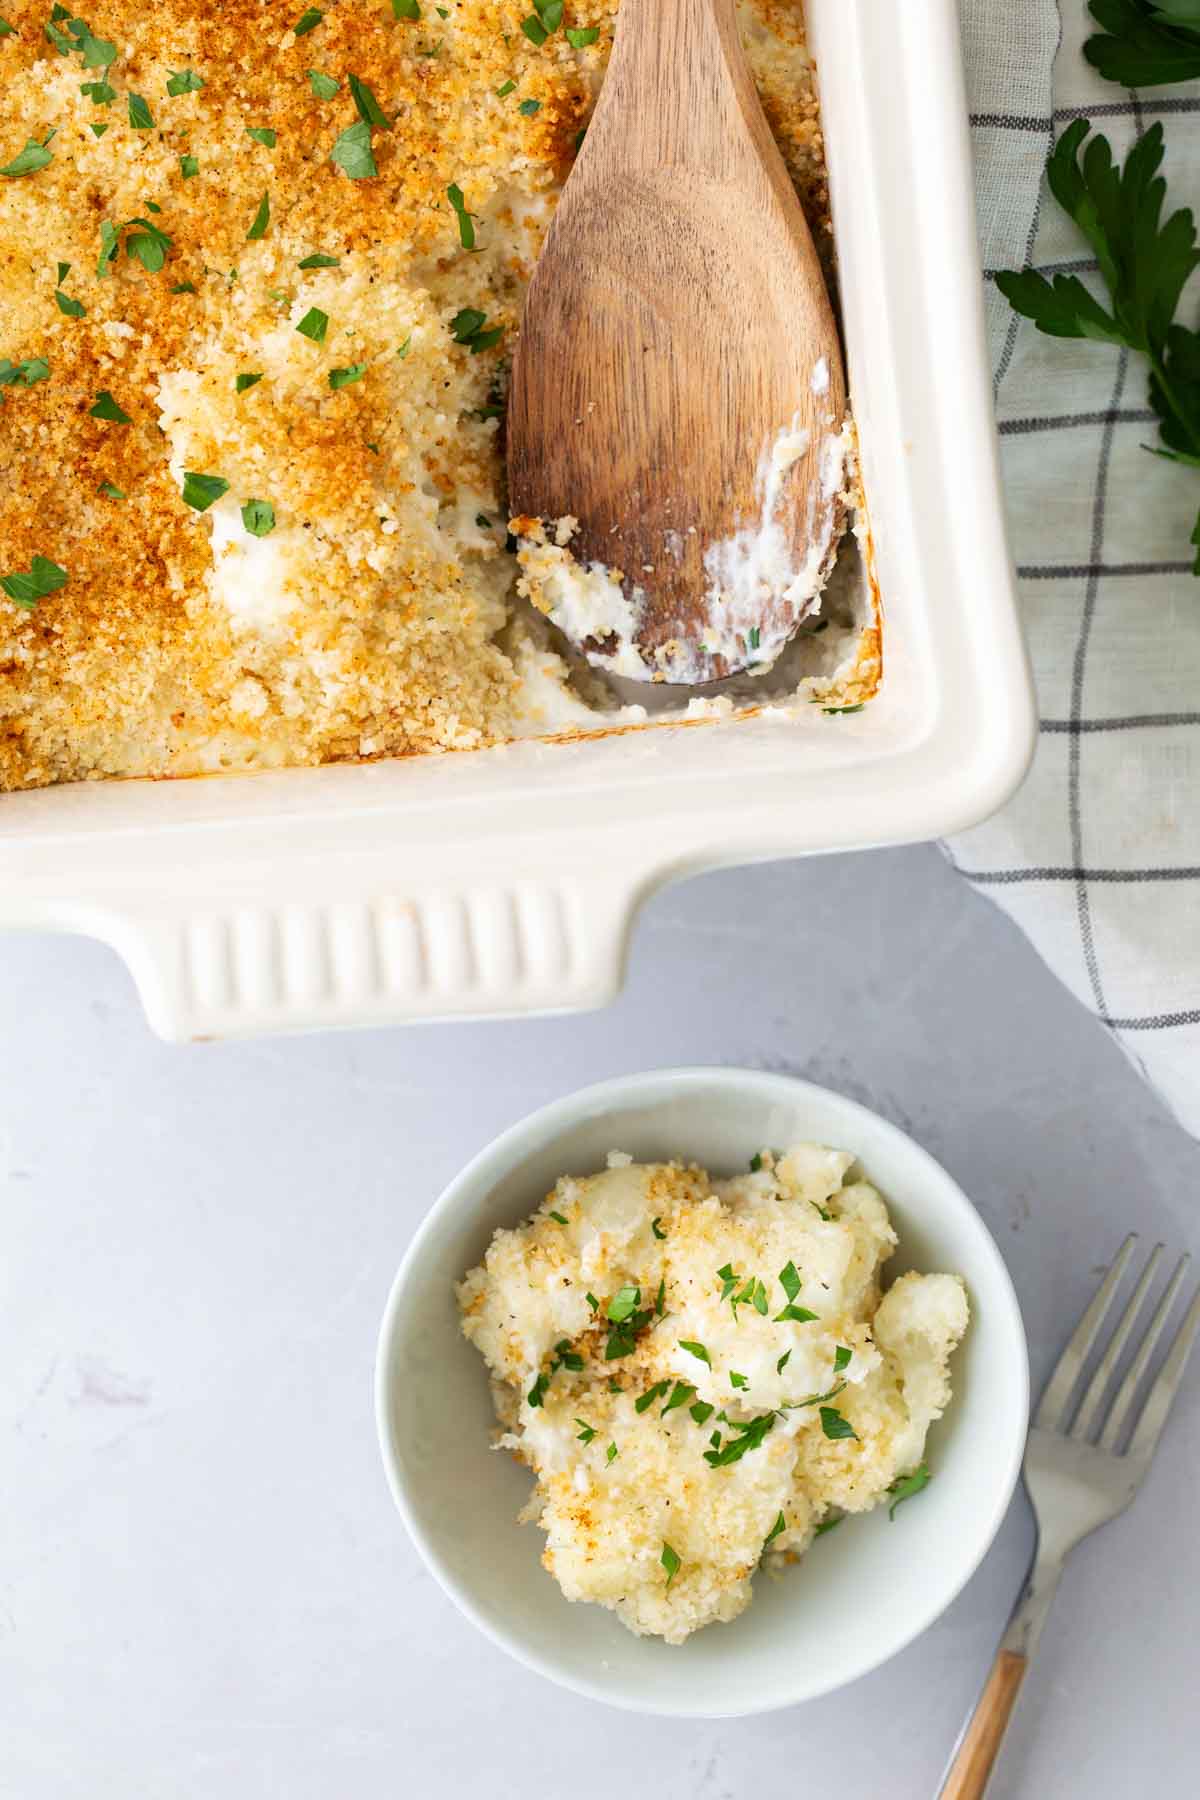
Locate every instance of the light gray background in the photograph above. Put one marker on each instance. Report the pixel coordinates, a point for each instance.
(204, 1589)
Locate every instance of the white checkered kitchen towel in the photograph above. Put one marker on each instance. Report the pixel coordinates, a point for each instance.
(1098, 857)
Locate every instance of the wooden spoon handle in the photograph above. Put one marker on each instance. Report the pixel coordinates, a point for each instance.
(971, 1769)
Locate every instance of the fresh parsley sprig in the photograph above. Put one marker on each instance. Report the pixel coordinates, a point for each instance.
(1145, 261)
(1145, 43)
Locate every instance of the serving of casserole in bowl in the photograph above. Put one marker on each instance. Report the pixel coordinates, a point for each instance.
(264, 273)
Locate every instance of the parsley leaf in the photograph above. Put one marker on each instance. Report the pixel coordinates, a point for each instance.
(314, 325)
(654, 1224)
(841, 1358)
(43, 577)
(106, 408)
(466, 222)
(184, 81)
(834, 1425)
(258, 516)
(140, 116)
(261, 219)
(800, 1315)
(114, 493)
(537, 1392)
(369, 109)
(247, 380)
(1145, 43)
(406, 9)
(702, 1411)
(789, 1280)
(505, 89)
(586, 1432)
(751, 1438)
(200, 491)
(1144, 261)
(353, 373)
(308, 21)
(610, 1455)
(529, 107)
(670, 1562)
(736, 1380)
(323, 86)
(352, 152)
(579, 37)
(623, 1303)
(263, 134)
(189, 166)
(74, 309)
(319, 261)
(779, 1525)
(646, 1400)
(28, 161)
(694, 1349)
(23, 374)
(681, 1393)
(907, 1486)
(828, 1525)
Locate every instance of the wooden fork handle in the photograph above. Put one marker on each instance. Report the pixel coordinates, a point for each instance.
(976, 1755)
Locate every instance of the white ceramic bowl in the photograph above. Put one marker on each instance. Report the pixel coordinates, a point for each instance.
(863, 1592)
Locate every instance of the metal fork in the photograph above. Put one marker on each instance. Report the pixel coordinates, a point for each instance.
(1077, 1478)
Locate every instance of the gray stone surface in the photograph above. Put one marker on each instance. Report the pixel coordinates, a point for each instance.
(204, 1588)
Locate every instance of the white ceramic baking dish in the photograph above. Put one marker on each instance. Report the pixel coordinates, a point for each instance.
(507, 881)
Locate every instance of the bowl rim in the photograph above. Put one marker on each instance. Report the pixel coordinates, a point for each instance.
(498, 1156)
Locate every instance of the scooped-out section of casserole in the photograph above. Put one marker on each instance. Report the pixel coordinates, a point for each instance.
(261, 269)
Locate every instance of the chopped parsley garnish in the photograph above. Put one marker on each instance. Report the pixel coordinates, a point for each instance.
(623, 1303)
(586, 1432)
(779, 1525)
(262, 134)
(799, 1315)
(789, 1280)
(148, 246)
(610, 1455)
(114, 493)
(23, 374)
(314, 325)
(184, 81)
(756, 1163)
(702, 1411)
(660, 1299)
(841, 1358)
(26, 588)
(485, 524)
(466, 222)
(323, 86)
(7, 30)
(98, 130)
(567, 1358)
(140, 116)
(467, 327)
(681, 1393)
(782, 1364)
(654, 1224)
(646, 1400)
(841, 709)
(908, 1485)
(319, 260)
(750, 1438)
(369, 109)
(406, 9)
(623, 1332)
(509, 87)
(64, 269)
(694, 1349)
(534, 30)
(828, 1525)
(352, 152)
(107, 408)
(184, 287)
(189, 166)
(404, 349)
(74, 309)
(592, 1302)
(736, 1380)
(100, 92)
(201, 490)
(670, 1562)
(258, 516)
(28, 161)
(579, 37)
(556, 1216)
(529, 107)
(754, 637)
(248, 379)
(814, 1399)
(537, 1392)
(834, 1425)
(262, 218)
(308, 21)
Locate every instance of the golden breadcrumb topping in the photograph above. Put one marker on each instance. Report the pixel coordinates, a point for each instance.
(284, 252)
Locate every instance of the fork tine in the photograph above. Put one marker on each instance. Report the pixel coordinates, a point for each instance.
(1070, 1363)
(1162, 1394)
(1098, 1384)
(1126, 1393)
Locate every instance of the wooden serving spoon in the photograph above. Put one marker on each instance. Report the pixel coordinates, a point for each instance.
(677, 387)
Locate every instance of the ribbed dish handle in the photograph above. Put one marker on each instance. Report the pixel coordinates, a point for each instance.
(240, 967)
